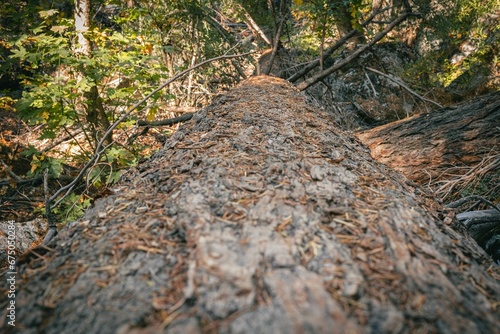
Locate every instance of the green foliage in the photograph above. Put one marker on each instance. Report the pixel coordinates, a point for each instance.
(72, 207)
(41, 162)
(465, 38)
(57, 82)
(59, 78)
(325, 20)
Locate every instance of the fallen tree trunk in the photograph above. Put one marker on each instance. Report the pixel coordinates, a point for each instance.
(425, 146)
(259, 217)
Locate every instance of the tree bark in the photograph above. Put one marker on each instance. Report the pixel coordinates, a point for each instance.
(82, 26)
(424, 146)
(260, 216)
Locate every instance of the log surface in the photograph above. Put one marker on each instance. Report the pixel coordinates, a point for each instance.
(425, 146)
(260, 216)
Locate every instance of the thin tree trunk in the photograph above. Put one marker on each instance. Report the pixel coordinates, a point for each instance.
(82, 26)
(276, 47)
(95, 113)
(259, 217)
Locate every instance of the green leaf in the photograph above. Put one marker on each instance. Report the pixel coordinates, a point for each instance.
(48, 134)
(19, 53)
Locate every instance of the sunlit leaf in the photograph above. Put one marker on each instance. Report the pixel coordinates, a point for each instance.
(59, 29)
(47, 13)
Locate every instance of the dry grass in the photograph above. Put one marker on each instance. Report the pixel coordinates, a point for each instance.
(482, 179)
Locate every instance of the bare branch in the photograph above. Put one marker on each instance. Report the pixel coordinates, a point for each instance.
(315, 63)
(69, 136)
(253, 25)
(462, 201)
(311, 81)
(16, 177)
(401, 83)
(171, 121)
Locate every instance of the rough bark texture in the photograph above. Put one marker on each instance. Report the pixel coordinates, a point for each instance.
(422, 147)
(259, 216)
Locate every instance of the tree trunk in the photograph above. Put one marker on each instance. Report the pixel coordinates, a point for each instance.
(95, 113)
(260, 216)
(424, 146)
(344, 22)
(82, 26)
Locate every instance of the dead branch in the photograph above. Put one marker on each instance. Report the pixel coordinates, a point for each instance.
(314, 79)
(462, 201)
(69, 136)
(166, 122)
(403, 85)
(34, 181)
(253, 25)
(471, 218)
(16, 177)
(315, 63)
(229, 38)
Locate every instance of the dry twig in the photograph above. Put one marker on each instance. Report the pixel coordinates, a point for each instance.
(400, 82)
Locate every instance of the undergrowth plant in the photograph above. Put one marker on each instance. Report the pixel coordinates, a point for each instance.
(57, 85)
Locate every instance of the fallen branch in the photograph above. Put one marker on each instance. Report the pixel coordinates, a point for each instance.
(400, 83)
(229, 38)
(16, 177)
(69, 136)
(471, 218)
(314, 79)
(462, 201)
(34, 181)
(171, 121)
(315, 63)
(165, 122)
(253, 25)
